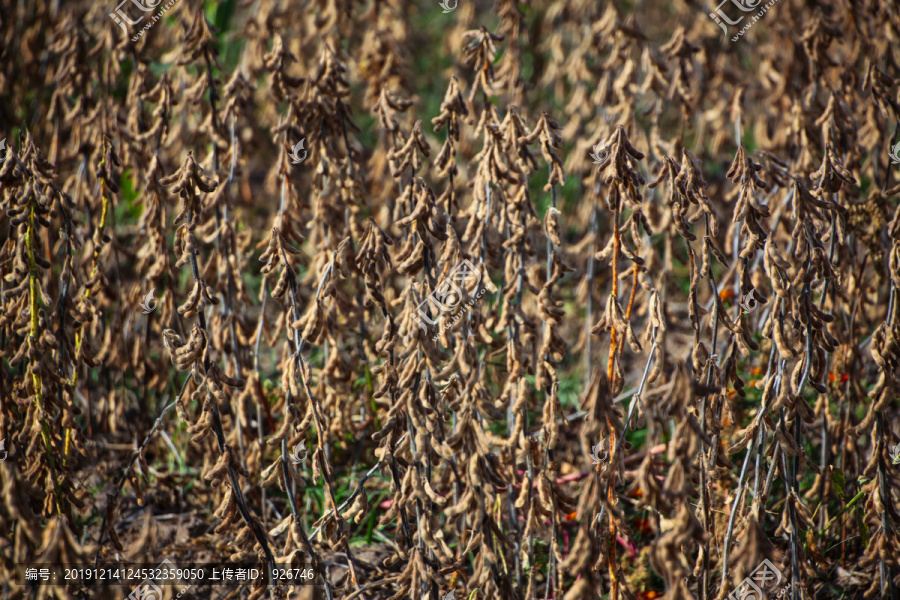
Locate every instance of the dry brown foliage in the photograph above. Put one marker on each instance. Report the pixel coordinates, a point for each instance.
(674, 352)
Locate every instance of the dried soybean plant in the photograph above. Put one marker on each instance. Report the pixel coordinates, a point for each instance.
(620, 323)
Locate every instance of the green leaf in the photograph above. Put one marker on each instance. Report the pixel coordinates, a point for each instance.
(861, 522)
(837, 480)
(370, 527)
